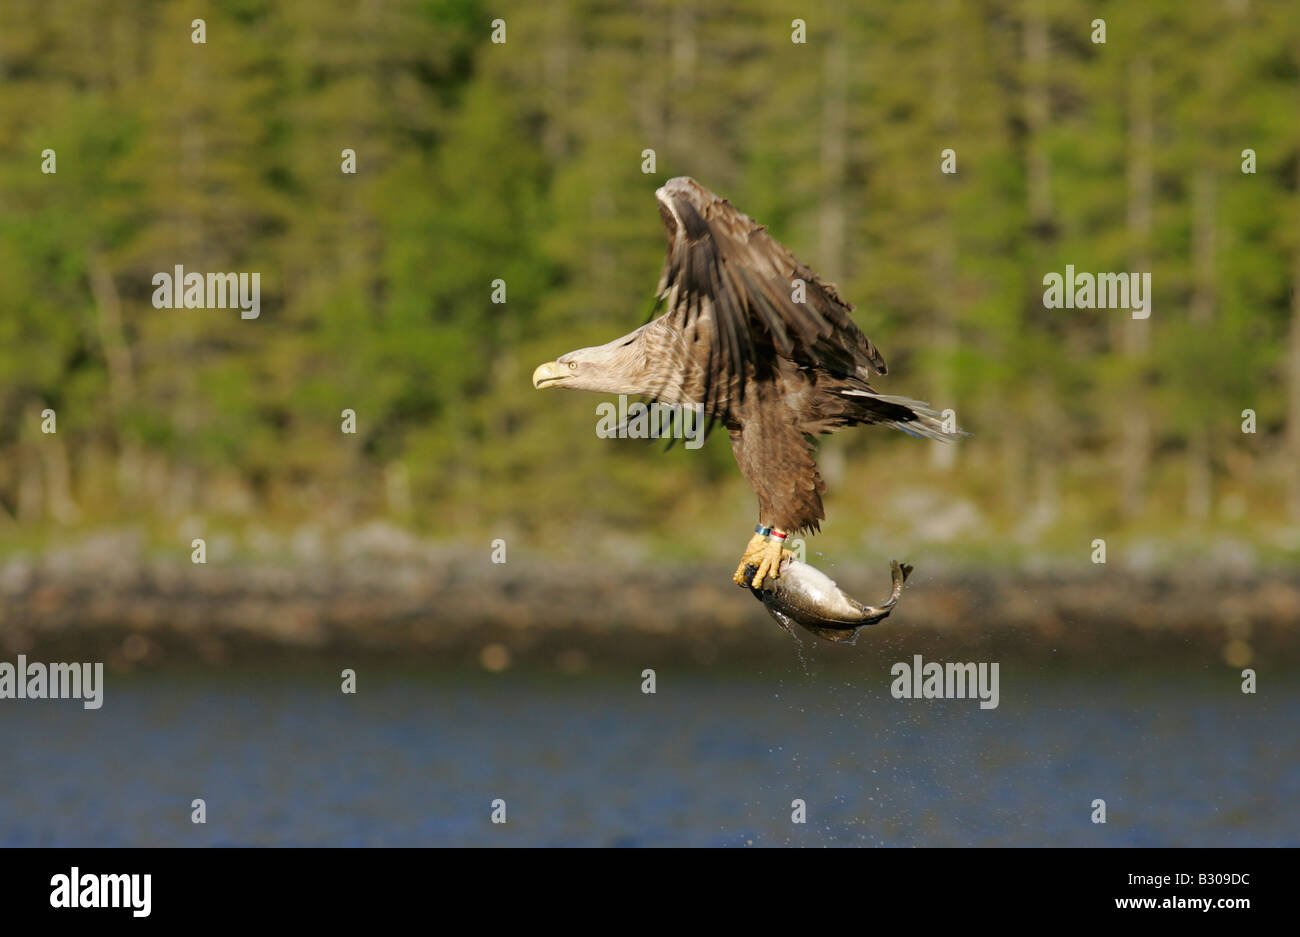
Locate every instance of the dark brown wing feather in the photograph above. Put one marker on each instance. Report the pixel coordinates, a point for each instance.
(728, 287)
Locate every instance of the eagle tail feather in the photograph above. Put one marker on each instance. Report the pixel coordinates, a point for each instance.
(922, 421)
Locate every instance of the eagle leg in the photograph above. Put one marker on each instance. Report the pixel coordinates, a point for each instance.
(764, 553)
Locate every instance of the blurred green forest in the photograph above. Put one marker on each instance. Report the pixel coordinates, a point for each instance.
(522, 161)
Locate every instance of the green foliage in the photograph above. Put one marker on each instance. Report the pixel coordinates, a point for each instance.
(522, 162)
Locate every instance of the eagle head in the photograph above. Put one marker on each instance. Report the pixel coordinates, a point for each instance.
(613, 368)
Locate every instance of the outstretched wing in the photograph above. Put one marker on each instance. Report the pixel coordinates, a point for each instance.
(727, 286)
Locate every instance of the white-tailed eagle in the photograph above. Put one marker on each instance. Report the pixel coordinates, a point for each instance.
(761, 344)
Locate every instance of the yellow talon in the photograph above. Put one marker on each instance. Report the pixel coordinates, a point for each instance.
(764, 554)
(753, 553)
(769, 563)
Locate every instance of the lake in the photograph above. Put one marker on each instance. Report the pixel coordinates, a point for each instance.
(715, 757)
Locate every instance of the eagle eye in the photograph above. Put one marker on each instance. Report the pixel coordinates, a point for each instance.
(573, 365)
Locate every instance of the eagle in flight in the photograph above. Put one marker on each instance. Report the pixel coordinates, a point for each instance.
(755, 341)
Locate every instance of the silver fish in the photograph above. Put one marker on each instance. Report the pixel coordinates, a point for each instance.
(805, 596)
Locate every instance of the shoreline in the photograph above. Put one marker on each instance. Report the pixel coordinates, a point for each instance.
(136, 611)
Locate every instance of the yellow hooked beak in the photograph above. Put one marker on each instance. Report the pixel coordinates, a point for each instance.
(549, 374)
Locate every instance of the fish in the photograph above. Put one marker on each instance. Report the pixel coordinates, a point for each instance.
(803, 595)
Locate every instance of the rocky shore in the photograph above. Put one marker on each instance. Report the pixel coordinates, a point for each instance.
(107, 597)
